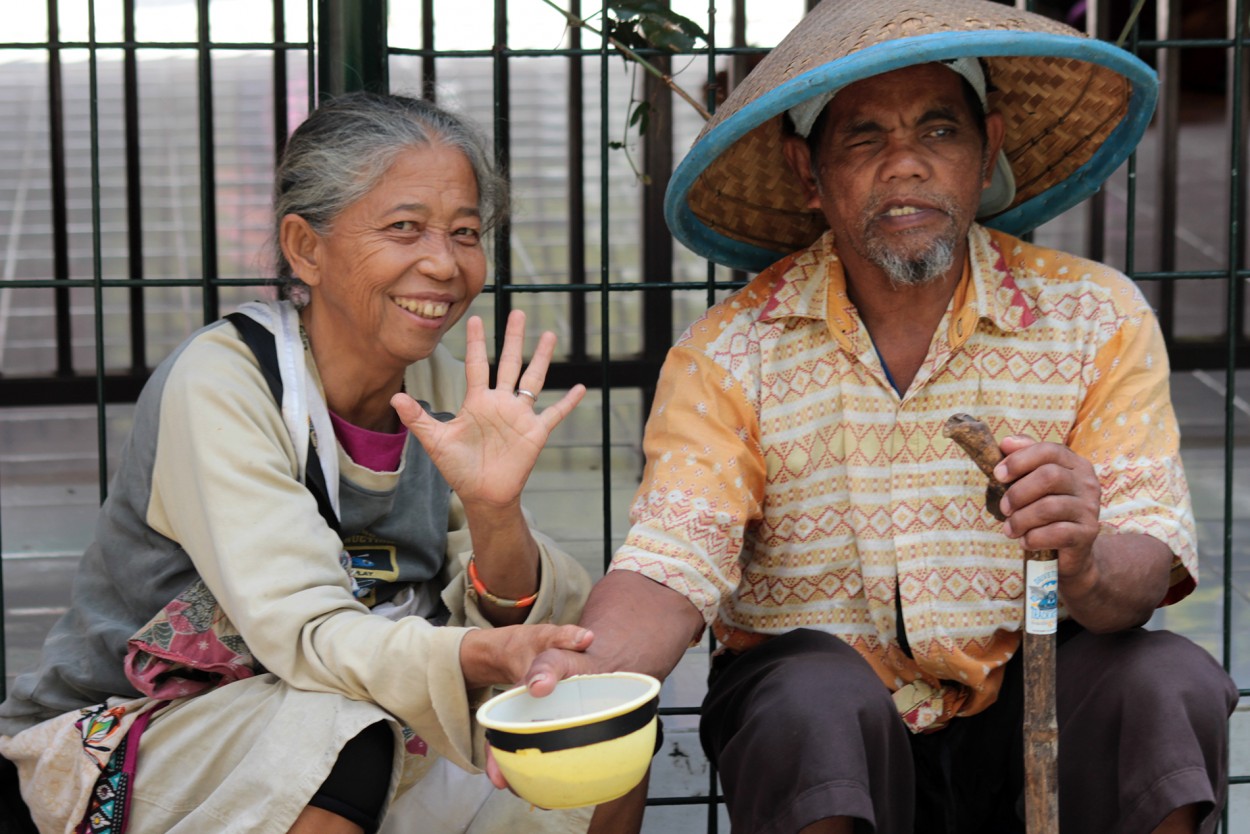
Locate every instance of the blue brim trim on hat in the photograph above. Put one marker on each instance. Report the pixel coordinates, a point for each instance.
(904, 52)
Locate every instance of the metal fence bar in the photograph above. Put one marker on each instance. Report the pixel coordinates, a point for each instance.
(502, 125)
(429, 71)
(605, 343)
(208, 167)
(134, 192)
(352, 39)
(1237, 154)
(60, 211)
(657, 242)
(576, 191)
(311, 65)
(1167, 16)
(1097, 13)
(1235, 323)
(524, 52)
(4, 605)
(97, 255)
(615, 286)
(281, 86)
(714, 798)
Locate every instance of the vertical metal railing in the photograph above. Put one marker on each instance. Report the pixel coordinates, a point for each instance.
(208, 166)
(134, 190)
(1096, 17)
(574, 147)
(502, 123)
(97, 254)
(1235, 322)
(60, 211)
(1167, 27)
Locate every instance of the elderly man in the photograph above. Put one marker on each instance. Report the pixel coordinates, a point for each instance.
(800, 498)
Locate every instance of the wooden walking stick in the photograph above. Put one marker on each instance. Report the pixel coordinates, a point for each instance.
(1041, 730)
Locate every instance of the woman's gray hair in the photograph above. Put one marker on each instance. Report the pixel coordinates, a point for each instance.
(343, 148)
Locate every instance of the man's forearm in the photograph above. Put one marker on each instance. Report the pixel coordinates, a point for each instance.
(639, 625)
(1124, 579)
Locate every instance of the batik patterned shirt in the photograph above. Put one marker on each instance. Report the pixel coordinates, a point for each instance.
(788, 485)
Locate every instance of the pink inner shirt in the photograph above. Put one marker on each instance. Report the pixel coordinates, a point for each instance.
(379, 451)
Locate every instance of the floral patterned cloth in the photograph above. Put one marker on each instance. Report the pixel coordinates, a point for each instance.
(109, 803)
(76, 768)
(189, 646)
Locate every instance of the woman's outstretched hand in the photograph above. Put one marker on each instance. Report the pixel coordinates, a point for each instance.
(502, 656)
(486, 453)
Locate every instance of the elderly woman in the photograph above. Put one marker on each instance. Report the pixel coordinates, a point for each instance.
(291, 609)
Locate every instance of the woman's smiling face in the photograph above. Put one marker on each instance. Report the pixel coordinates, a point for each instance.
(401, 265)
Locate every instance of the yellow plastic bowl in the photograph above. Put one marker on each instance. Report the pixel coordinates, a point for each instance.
(588, 742)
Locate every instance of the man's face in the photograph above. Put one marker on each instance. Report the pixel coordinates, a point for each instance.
(899, 168)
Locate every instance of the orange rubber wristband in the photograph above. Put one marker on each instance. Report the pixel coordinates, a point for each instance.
(523, 602)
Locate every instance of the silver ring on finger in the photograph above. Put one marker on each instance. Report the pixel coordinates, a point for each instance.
(521, 392)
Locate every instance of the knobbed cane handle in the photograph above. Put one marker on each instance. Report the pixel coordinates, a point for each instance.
(976, 439)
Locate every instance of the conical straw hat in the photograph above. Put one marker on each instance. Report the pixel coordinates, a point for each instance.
(1074, 107)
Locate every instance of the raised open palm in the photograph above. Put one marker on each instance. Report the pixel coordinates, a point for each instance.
(488, 450)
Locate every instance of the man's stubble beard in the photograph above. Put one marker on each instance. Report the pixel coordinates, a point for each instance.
(913, 269)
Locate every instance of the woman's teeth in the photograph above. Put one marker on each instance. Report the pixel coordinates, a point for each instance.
(424, 309)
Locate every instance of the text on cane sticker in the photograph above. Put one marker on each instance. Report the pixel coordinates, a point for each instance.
(1042, 597)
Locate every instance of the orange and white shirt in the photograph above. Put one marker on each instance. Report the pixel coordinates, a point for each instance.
(789, 486)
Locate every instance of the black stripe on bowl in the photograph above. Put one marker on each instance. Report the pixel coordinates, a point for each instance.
(579, 736)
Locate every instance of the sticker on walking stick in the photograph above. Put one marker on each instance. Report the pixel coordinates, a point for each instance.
(1042, 606)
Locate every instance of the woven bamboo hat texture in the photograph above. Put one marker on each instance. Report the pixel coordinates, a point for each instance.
(1074, 107)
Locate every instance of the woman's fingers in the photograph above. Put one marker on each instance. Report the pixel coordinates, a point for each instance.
(543, 638)
(503, 655)
(554, 665)
(510, 357)
(552, 415)
(410, 412)
(536, 372)
(493, 772)
(476, 366)
(509, 376)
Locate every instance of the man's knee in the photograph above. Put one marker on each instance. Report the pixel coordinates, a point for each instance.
(802, 730)
(1143, 667)
(800, 681)
(821, 674)
(1151, 709)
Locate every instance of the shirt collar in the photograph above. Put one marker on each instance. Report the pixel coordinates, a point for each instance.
(812, 285)
(803, 281)
(992, 292)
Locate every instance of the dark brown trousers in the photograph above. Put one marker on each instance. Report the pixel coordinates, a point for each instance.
(802, 729)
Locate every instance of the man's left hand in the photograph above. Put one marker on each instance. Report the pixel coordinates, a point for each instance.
(1053, 501)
